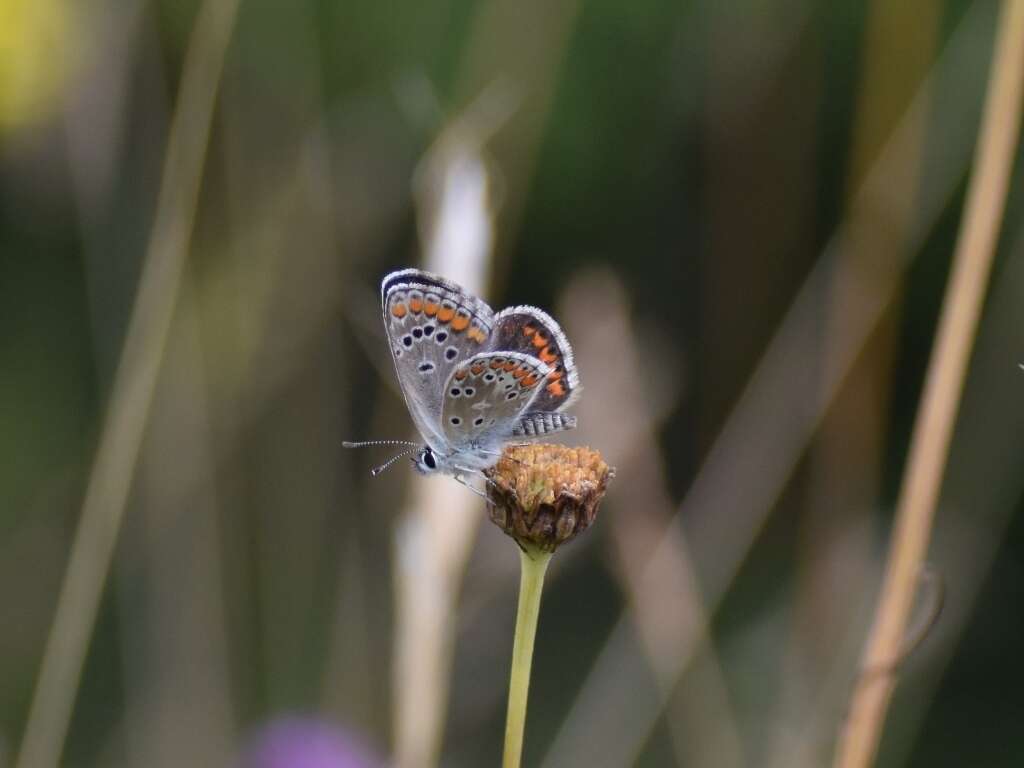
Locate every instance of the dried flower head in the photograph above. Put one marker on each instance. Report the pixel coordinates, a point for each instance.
(545, 495)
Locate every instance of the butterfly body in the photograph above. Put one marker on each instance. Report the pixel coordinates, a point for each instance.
(473, 379)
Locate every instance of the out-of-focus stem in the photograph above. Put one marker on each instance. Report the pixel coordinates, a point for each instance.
(943, 385)
(534, 564)
(434, 535)
(133, 388)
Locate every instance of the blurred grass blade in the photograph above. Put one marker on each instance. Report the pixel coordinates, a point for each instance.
(132, 392)
(664, 597)
(972, 263)
(835, 547)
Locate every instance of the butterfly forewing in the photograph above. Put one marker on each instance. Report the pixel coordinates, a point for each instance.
(530, 331)
(433, 325)
(487, 394)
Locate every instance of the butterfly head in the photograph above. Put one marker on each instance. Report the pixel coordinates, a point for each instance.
(426, 461)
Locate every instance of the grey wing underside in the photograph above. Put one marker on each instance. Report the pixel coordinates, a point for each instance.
(432, 325)
(486, 397)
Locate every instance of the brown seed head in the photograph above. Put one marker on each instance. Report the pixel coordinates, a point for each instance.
(545, 495)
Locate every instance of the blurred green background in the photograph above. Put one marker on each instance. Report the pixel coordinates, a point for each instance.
(742, 213)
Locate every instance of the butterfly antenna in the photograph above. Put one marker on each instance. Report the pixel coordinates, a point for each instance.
(365, 443)
(390, 461)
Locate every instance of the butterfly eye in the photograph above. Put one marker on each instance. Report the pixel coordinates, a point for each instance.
(429, 460)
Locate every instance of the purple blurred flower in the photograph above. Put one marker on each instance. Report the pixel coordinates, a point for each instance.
(305, 742)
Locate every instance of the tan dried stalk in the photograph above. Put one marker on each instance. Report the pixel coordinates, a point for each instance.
(943, 386)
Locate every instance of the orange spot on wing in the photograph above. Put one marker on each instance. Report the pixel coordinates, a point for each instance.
(556, 388)
(540, 340)
(529, 381)
(416, 305)
(431, 309)
(529, 330)
(478, 335)
(555, 375)
(521, 371)
(460, 322)
(477, 369)
(548, 355)
(497, 363)
(399, 310)
(511, 364)
(444, 314)
(461, 374)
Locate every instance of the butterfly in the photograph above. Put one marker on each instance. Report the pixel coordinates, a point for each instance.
(473, 380)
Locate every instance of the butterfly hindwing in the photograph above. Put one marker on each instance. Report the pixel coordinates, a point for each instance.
(530, 331)
(487, 395)
(433, 325)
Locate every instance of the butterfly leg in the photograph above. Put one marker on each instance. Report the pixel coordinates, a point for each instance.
(501, 454)
(480, 473)
(487, 479)
(478, 492)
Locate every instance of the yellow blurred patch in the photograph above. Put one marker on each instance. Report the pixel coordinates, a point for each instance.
(38, 52)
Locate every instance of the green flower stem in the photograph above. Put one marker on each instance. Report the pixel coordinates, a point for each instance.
(534, 563)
